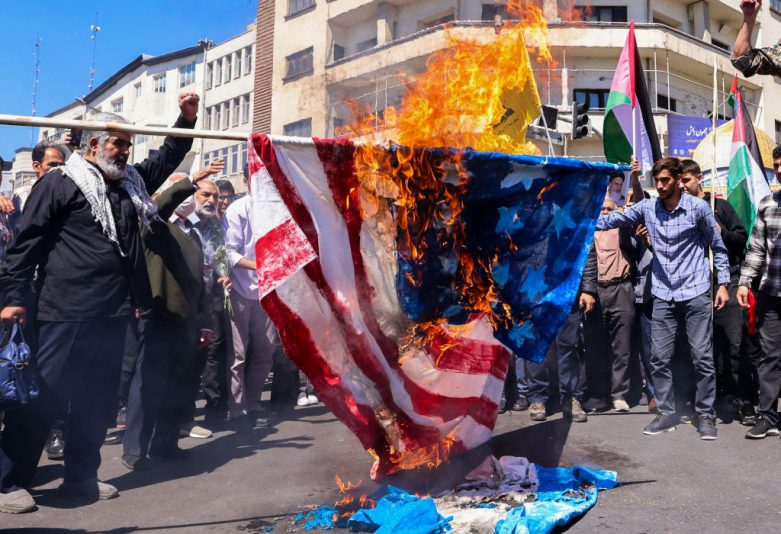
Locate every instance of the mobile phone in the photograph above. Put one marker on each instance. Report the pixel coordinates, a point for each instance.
(75, 137)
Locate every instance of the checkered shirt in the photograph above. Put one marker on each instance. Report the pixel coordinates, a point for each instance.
(764, 252)
(680, 269)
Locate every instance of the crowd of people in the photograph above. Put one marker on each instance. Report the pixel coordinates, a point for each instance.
(135, 286)
(659, 322)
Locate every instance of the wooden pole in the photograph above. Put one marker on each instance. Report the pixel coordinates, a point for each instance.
(19, 120)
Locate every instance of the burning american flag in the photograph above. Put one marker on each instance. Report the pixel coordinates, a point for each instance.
(401, 288)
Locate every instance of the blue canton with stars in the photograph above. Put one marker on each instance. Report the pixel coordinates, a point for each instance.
(529, 222)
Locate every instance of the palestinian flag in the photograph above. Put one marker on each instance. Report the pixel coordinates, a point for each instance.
(746, 180)
(629, 123)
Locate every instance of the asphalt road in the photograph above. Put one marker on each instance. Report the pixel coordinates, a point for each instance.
(244, 484)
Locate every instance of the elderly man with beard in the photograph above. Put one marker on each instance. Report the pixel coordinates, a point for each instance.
(170, 334)
(80, 233)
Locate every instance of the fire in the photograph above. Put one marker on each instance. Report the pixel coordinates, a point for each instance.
(344, 487)
(478, 92)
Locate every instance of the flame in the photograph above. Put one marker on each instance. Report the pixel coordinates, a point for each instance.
(344, 487)
(478, 92)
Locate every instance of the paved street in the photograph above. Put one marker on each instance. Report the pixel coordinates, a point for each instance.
(241, 484)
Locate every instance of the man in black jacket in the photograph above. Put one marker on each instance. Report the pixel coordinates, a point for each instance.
(729, 321)
(80, 232)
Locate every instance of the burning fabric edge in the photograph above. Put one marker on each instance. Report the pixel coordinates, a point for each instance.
(377, 304)
(502, 496)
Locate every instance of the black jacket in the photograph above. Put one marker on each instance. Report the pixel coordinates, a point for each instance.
(734, 233)
(81, 275)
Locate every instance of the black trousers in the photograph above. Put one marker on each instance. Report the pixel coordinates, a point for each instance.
(769, 323)
(159, 391)
(215, 372)
(618, 314)
(79, 364)
(128, 361)
(728, 325)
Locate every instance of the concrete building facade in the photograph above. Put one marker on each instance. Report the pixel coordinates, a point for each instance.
(228, 100)
(145, 92)
(314, 54)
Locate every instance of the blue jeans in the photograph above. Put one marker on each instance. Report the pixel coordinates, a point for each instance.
(695, 316)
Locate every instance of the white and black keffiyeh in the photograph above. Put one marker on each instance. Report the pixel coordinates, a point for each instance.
(90, 182)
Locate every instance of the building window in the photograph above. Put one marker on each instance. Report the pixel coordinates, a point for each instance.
(227, 68)
(663, 102)
(235, 111)
(247, 60)
(187, 74)
(209, 74)
(160, 83)
(245, 108)
(224, 156)
(775, 5)
(302, 128)
(243, 155)
(218, 72)
(117, 106)
(491, 11)
(207, 119)
(300, 63)
(216, 123)
(595, 98)
(338, 52)
(137, 90)
(605, 14)
(237, 64)
(297, 6)
(778, 133)
(365, 45)
(226, 115)
(234, 159)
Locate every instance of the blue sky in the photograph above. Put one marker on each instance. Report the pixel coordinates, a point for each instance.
(127, 30)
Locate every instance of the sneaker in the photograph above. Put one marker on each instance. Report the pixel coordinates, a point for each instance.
(88, 489)
(55, 445)
(114, 438)
(303, 399)
(748, 417)
(521, 405)
(195, 431)
(573, 410)
(686, 419)
(502, 406)
(620, 405)
(122, 417)
(17, 502)
(762, 429)
(259, 418)
(537, 411)
(706, 426)
(135, 463)
(660, 424)
(312, 400)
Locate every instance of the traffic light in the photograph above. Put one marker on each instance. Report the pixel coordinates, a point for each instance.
(580, 121)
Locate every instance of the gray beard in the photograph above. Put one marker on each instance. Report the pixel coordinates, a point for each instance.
(204, 214)
(111, 169)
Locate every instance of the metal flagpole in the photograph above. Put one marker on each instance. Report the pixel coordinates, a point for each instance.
(20, 120)
(713, 162)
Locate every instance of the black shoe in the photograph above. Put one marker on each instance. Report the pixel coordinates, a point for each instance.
(748, 417)
(706, 426)
(258, 418)
(55, 445)
(242, 424)
(521, 405)
(135, 463)
(762, 429)
(114, 438)
(502, 406)
(660, 424)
